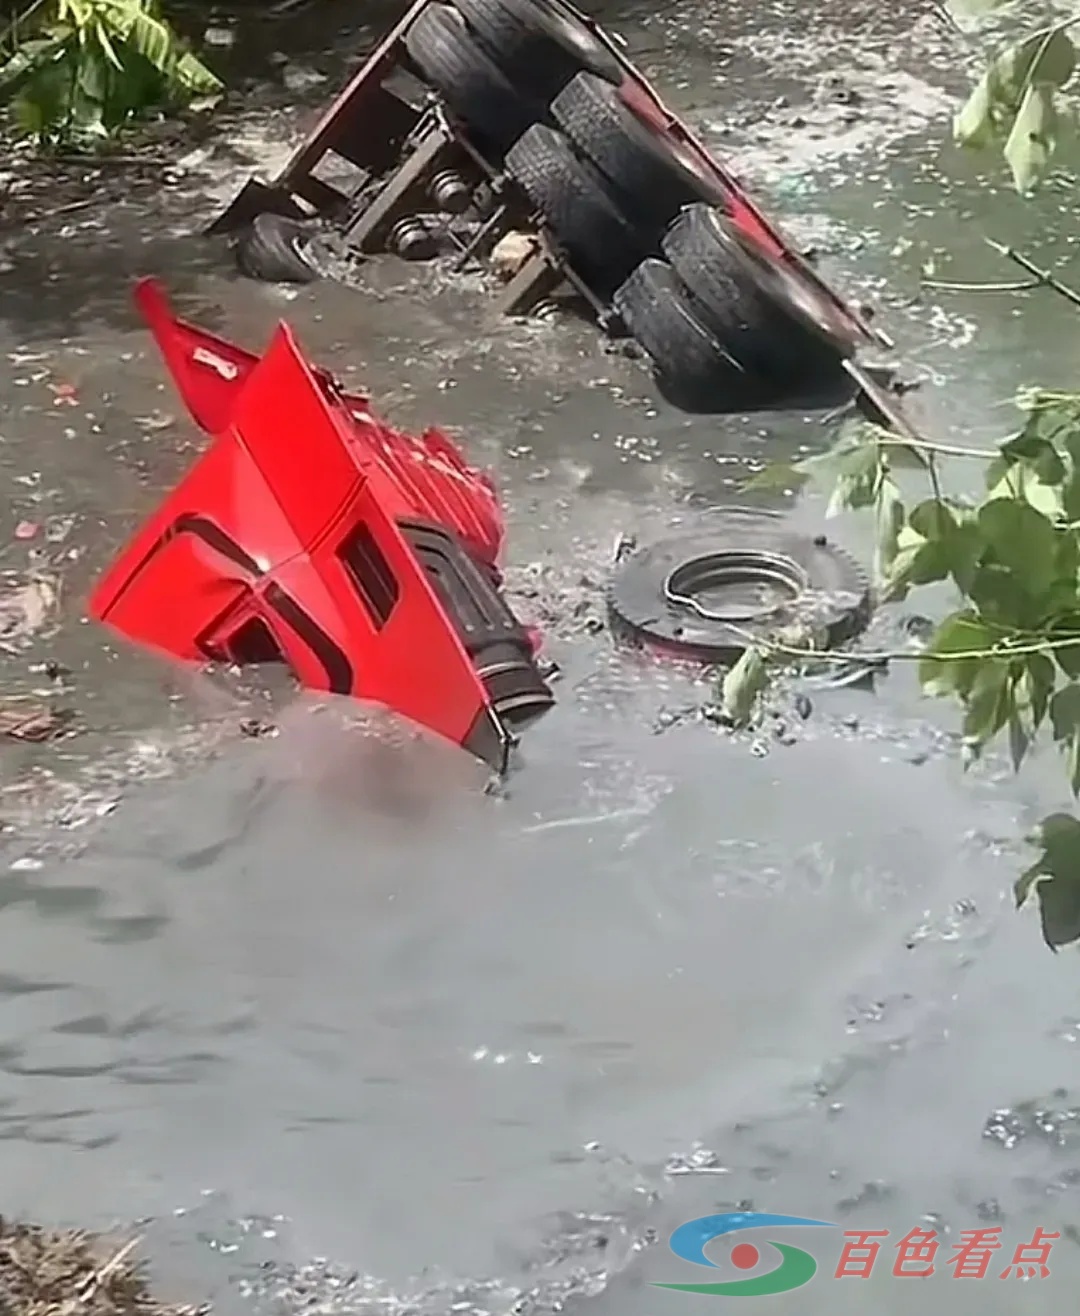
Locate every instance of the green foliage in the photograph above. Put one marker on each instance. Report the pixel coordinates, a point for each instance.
(1014, 105)
(79, 70)
(1055, 875)
(1009, 654)
(741, 686)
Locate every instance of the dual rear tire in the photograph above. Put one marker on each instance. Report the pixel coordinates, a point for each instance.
(639, 218)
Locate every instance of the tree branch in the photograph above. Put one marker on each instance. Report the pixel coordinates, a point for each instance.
(1040, 275)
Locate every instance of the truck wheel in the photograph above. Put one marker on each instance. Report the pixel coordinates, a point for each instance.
(537, 44)
(473, 88)
(650, 172)
(691, 368)
(272, 251)
(763, 313)
(600, 243)
(741, 573)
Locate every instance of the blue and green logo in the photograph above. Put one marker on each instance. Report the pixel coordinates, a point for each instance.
(796, 1267)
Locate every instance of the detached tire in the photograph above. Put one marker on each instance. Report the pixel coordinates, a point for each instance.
(600, 243)
(767, 317)
(470, 83)
(650, 173)
(691, 368)
(271, 251)
(752, 573)
(537, 44)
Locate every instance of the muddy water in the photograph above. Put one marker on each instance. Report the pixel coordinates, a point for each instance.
(355, 1036)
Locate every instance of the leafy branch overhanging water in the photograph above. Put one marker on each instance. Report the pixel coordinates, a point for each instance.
(1009, 655)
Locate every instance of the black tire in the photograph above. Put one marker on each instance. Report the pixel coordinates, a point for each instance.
(766, 316)
(652, 176)
(835, 601)
(600, 244)
(272, 251)
(538, 44)
(691, 369)
(472, 86)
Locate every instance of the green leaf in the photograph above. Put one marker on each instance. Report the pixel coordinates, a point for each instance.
(858, 481)
(1013, 103)
(92, 83)
(1024, 883)
(1043, 58)
(974, 126)
(1055, 877)
(1022, 542)
(159, 45)
(1070, 491)
(905, 455)
(1065, 712)
(941, 670)
(940, 541)
(1035, 685)
(1059, 910)
(920, 563)
(742, 685)
(1067, 656)
(933, 519)
(43, 106)
(855, 465)
(1035, 451)
(1019, 739)
(1031, 142)
(989, 702)
(890, 521)
(28, 59)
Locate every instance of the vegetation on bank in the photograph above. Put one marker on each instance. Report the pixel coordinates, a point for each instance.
(75, 72)
(48, 1272)
(1009, 653)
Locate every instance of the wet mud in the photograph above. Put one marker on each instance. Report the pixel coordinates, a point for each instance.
(354, 1039)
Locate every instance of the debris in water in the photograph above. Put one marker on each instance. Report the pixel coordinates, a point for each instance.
(511, 252)
(23, 610)
(256, 729)
(46, 1272)
(156, 421)
(32, 723)
(26, 529)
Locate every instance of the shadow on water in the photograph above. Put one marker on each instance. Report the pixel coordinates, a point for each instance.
(83, 283)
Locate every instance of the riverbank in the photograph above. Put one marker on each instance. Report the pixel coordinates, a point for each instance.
(54, 1272)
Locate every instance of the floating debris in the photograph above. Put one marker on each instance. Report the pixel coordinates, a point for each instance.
(24, 609)
(33, 723)
(45, 1272)
(511, 252)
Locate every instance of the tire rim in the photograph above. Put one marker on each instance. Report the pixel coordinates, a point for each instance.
(678, 151)
(694, 584)
(569, 31)
(811, 304)
(689, 161)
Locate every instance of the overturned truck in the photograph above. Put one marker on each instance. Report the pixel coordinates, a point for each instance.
(475, 119)
(312, 533)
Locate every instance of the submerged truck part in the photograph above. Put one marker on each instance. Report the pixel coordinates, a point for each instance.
(312, 533)
(531, 105)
